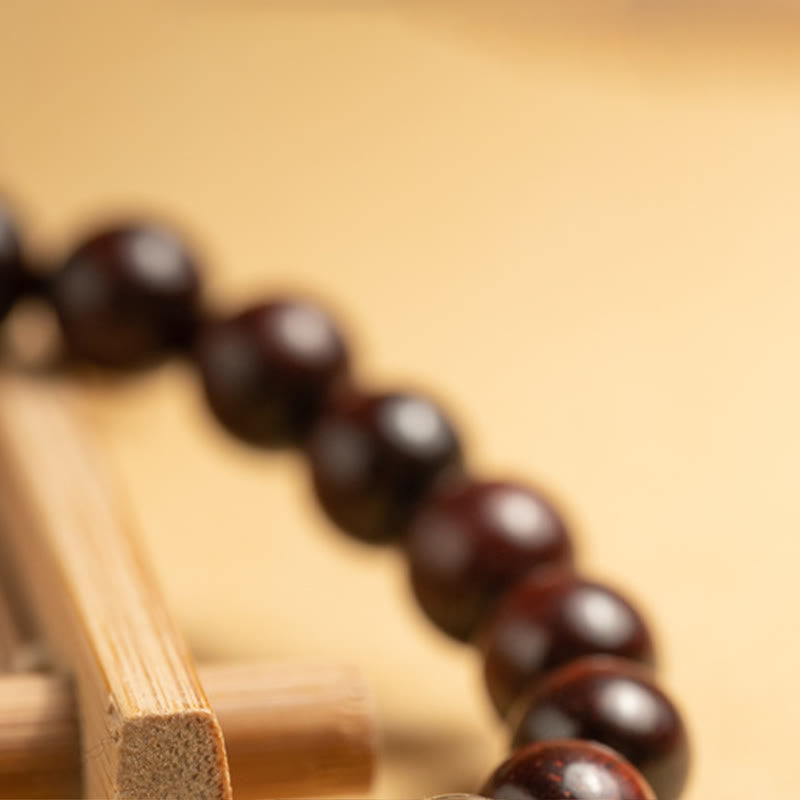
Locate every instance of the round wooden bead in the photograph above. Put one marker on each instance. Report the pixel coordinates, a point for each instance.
(615, 702)
(375, 457)
(12, 276)
(268, 371)
(552, 617)
(566, 769)
(127, 295)
(474, 539)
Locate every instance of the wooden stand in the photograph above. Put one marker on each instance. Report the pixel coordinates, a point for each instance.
(147, 727)
(147, 730)
(291, 730)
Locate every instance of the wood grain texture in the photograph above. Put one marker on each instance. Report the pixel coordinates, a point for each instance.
(291, 730)
(148, 730)
(40, 754)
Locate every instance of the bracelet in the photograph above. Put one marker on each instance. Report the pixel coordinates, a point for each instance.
(567, 660)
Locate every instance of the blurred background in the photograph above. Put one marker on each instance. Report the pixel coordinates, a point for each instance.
(577, 227)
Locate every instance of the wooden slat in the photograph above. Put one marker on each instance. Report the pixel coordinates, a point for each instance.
(147, 728)
(292, 730)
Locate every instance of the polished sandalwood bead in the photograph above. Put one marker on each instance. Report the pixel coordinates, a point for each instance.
(566, 769)
(375, 457)
(552, 617)
(268, 370)
(126, 296)
(474, 539)
(12, 274)
(615, 702)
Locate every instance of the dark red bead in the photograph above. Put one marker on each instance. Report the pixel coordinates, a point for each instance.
(566, 769)
(375, 457)
(474, 539)
(12, 274)
(615, 702)
(552, 617)
(268, 371)
(127, 295)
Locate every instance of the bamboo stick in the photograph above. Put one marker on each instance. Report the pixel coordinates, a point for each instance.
(147, 729)
(292, 730)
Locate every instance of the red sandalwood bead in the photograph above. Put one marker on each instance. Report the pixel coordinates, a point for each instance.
(552, 617)
(127, 295)
(268, 370)
(566, 769)
(474, 539)
(375, 457)
(615, 702)
(12, 274)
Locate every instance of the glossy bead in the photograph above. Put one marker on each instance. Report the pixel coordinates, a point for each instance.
(375, 457)
(615, 702)
(474, 539)
(268, 371)
(552, 617)
(126, 296)
(12, 276)
(566, 769)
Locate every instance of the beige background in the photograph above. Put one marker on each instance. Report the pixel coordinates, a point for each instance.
(584, 237)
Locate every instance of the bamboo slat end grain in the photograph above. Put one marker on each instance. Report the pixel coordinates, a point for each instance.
(172, 755)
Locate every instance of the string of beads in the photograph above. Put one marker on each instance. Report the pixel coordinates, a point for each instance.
(568, 660)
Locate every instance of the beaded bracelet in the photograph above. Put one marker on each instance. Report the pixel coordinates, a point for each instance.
(567, 659)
